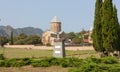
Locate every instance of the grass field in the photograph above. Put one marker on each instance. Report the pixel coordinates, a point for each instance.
(22, 53)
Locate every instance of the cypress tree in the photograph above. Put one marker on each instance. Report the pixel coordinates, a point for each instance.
(97, 37)
(106, 31)
(12, 42)
(117, 31)
(109, 27)
(107, 16)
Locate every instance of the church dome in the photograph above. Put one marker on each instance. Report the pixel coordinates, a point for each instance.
(55, 19)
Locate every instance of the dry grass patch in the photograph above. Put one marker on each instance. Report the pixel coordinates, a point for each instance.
(34, 69)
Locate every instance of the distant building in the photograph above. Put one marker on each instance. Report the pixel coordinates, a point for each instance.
(48, 37)
(89, 39)
(90, 36)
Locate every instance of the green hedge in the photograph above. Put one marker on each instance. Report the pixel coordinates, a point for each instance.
(92, 64)
(1, 63)
(15, 62)
(2, 57)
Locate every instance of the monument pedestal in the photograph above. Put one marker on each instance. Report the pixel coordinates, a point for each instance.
(59, 49)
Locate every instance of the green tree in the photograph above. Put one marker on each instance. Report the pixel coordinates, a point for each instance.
(79, 37)
(76, 40)
(97, 37)
(3, 40)
(33, 39)
(20, 39)
(22, 36)
(116, 36)
(71, 35)
(12, 41)
(106, 32)
(23, 39)
(108, 27)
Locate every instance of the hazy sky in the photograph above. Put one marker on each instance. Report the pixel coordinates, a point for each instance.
(75, 15)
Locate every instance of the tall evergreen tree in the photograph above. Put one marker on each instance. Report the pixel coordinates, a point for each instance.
(12, 42)
(109, 27)
(106, 32)
(117, 34)
(106, 27)
(97, 37)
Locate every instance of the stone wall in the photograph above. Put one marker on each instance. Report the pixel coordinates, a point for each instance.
(49, 48)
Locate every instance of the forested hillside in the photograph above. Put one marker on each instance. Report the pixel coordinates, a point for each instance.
(6, 31)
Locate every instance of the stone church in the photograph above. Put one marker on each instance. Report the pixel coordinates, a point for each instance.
(48, 37)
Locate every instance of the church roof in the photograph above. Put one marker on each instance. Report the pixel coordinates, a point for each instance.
(55, 19)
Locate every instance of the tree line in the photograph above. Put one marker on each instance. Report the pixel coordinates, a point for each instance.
(77, 38)
(21, 39)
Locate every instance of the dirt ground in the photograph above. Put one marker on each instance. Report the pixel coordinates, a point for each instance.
(34, 69)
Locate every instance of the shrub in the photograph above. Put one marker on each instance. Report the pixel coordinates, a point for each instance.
(107, 64)
(26, 61)
(17, 62)
(40, 63)
(48, 44)
(65, 63)
(1, 63)
(54, 61)
(114, 69)
(77, 62)
(93, 59)
(71, 62)
(109, 60)
(91, 67)
(92, 64)
(10, 62)
(2, 57)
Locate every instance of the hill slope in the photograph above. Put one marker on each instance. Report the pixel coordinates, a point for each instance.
(6, 31)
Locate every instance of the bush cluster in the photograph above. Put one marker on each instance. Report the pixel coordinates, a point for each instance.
(45, 62)
(15, 62)
(64, 62)
(2, 57)
(92, 64)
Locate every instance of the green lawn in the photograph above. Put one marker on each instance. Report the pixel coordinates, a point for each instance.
(22, 53)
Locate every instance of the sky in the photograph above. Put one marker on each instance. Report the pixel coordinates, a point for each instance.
(75, 15)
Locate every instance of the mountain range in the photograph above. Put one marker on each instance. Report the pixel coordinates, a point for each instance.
(6, 31)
